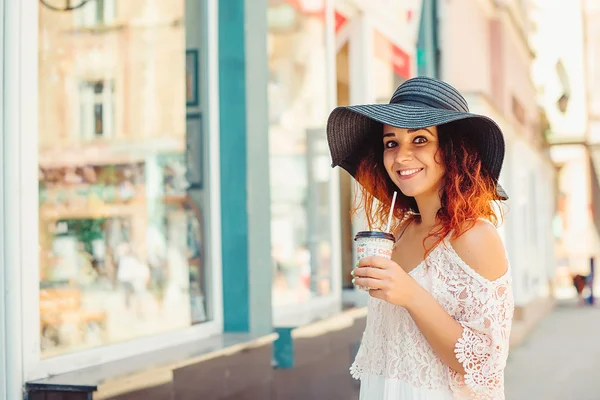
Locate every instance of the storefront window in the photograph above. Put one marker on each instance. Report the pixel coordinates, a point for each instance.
(121, 228)
(299, 158)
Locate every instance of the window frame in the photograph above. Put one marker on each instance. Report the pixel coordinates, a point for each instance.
(20, 197)
(6, 384)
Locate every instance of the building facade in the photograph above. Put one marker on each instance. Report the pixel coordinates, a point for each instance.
(495, 77)
(564, 74)
(168, 161)
(591, 42)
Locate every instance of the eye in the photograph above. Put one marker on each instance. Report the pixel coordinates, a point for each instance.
(389, 144)
(420, 140)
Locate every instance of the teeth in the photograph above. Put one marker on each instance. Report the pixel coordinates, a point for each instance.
(409, 171)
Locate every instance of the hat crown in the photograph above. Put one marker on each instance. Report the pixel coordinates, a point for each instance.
(425, 91)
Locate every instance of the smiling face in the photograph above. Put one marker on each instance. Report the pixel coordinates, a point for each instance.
(412, 160)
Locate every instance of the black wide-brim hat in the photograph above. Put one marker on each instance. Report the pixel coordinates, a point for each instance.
(419, 102)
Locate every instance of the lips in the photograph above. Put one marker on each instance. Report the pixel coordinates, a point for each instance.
(408, 173)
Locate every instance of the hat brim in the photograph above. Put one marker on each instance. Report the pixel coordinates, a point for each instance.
(349, 130)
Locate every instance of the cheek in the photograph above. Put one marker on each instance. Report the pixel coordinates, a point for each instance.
(440, 171)
(440, 176)
(436, 163)
(388, 160)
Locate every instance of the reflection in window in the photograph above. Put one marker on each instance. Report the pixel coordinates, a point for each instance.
(121, 234)
(96, 13)
(299, 166)
(97, 111)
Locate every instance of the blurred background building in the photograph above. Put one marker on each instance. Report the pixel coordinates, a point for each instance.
(168, 161)
(591, 40)
(566, 44)
(488, 57)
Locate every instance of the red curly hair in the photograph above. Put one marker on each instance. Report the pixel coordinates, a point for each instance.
(467, 191)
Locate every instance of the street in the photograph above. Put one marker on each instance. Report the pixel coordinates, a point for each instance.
(560, 360)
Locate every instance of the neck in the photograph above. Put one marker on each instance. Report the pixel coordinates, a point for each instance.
(428, 208)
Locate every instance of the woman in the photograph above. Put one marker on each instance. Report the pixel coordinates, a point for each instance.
(440, 310)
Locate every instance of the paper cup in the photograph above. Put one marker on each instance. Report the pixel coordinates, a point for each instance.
(374, 243)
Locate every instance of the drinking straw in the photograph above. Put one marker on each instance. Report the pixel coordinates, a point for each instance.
(387, 229)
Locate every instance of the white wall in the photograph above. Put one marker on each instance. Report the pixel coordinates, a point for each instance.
(530, 241)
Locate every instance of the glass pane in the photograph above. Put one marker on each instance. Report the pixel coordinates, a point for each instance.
(299, 159)
(121, 230)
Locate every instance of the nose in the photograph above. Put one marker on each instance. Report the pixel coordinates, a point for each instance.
(404, 154)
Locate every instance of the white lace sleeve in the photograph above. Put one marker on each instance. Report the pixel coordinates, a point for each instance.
(485, 312)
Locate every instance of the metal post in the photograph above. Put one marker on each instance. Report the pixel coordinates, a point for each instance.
(591, 281)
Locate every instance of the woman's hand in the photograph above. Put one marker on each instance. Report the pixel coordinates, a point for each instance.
(386, 280)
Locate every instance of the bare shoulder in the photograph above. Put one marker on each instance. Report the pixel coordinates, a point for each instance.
(481, 248)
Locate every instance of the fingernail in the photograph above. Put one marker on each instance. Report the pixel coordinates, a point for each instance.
(353, 280)
(352, 273)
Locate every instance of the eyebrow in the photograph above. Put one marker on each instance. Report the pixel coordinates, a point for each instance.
(419, 129)
(391, 134)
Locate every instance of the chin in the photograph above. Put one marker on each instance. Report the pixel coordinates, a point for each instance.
(410, 191)
(417, 189)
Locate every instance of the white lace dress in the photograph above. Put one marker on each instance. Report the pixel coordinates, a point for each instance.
(395, 361)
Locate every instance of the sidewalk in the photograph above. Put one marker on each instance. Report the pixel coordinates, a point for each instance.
(560, 359)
